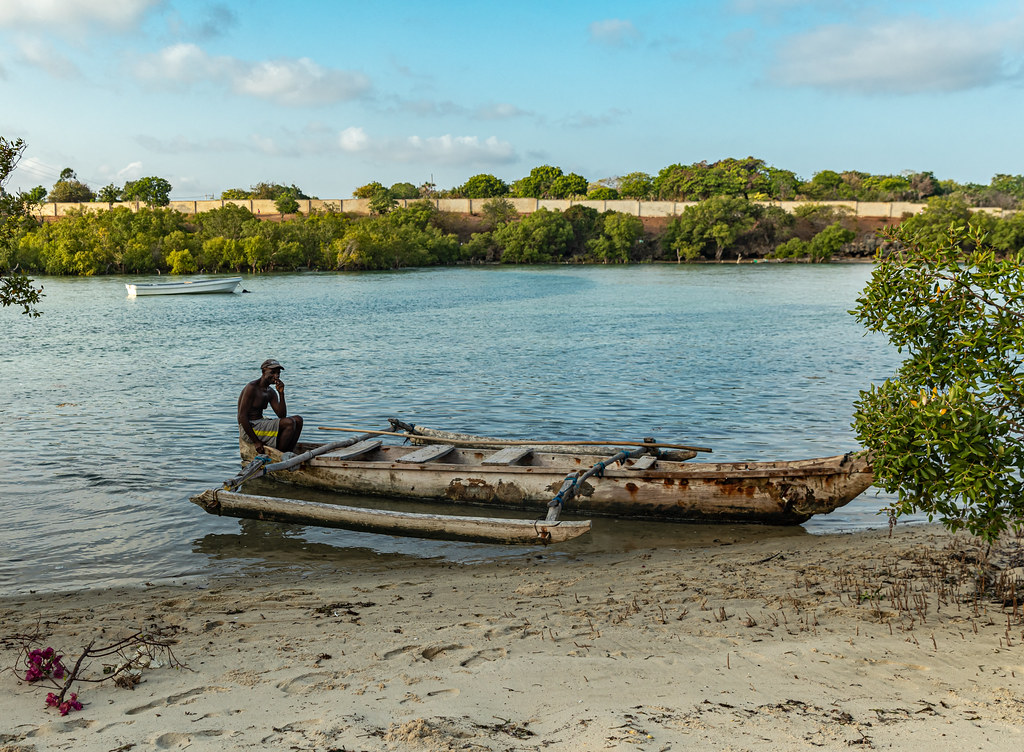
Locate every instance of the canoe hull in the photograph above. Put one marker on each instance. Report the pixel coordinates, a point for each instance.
(187, 287)
(763, 492)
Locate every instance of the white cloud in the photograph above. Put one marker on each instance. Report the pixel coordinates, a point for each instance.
(455, 150)
(313, 141)
(430, 108)
(440, 150)
(181, 63)
(614, 32)
(265, 145)
(500, 111)
(182, 145)
(447, 108)
(131, 171)
(294, 82)
(353, 140)
(117, 14)
(901, 56)
(297, 82)
(37, 53)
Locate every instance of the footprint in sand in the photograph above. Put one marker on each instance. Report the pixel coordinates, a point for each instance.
(75, 725)
(399, 651)
(429, 653)
(483, 656)
(432, 652)
(172, 739)
(185, 697)
(306, 683)
(439, 692)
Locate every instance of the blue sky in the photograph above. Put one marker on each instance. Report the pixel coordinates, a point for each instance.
(332, 95)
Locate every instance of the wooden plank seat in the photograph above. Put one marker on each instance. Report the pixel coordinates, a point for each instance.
(427, 453)
(356, 450)
(509, 455)
(646, 462)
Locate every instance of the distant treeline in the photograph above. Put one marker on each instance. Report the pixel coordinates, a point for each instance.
(120, 241)
(748, 178)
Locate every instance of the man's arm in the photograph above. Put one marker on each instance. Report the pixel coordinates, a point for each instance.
(245, 402)
(277, 400)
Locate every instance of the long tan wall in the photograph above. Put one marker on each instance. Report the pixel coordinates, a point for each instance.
(874, 209)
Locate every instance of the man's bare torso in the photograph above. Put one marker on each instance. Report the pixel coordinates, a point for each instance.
(256, 400)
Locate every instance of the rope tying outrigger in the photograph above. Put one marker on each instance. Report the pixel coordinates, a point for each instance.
(255, 469)
(573, 482)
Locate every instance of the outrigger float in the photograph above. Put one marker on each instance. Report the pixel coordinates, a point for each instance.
(644, 480)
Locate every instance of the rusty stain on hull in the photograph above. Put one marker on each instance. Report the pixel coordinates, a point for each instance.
(469, 490)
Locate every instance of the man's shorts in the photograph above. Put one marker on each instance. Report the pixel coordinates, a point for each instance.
(266, 430)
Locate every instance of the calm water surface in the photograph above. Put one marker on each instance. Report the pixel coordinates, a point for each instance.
(118, 409)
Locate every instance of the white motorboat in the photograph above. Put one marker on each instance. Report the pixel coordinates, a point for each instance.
(184, 287)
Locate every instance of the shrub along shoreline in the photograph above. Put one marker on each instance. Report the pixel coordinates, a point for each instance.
(233, 239)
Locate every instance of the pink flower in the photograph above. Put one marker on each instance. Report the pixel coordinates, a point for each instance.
(65, 707)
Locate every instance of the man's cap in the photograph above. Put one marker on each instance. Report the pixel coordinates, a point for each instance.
(271, 363)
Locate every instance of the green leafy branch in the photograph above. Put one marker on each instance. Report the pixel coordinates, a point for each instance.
(946, 430)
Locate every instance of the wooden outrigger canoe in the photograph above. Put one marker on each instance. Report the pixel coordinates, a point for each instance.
(518, 476)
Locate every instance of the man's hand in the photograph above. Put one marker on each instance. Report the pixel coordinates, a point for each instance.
(260, 447)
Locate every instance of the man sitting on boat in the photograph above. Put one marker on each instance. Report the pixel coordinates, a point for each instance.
(281, 432)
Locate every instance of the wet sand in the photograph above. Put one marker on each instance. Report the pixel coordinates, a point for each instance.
(860, 640)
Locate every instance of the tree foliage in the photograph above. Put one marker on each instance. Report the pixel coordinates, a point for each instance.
(638, 185)
(829, 241)
(538, 183)
(404, 191)
(748, 178)
(497, 212)
(567, 186)
(946, 432)
(286, 204)
(402, 237)
(264, 191)
(369, 190)
(152, 191)
(602, 193)
(587, 225)
(15, 287)
(710, 227)
(382, 202)
(540, 237)
(620, 234)
(69, 189)
(109, 194)
(482, 186)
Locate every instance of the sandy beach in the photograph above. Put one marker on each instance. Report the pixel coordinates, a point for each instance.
(857, 640)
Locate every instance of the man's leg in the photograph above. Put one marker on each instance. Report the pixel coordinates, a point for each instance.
(288, 436)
